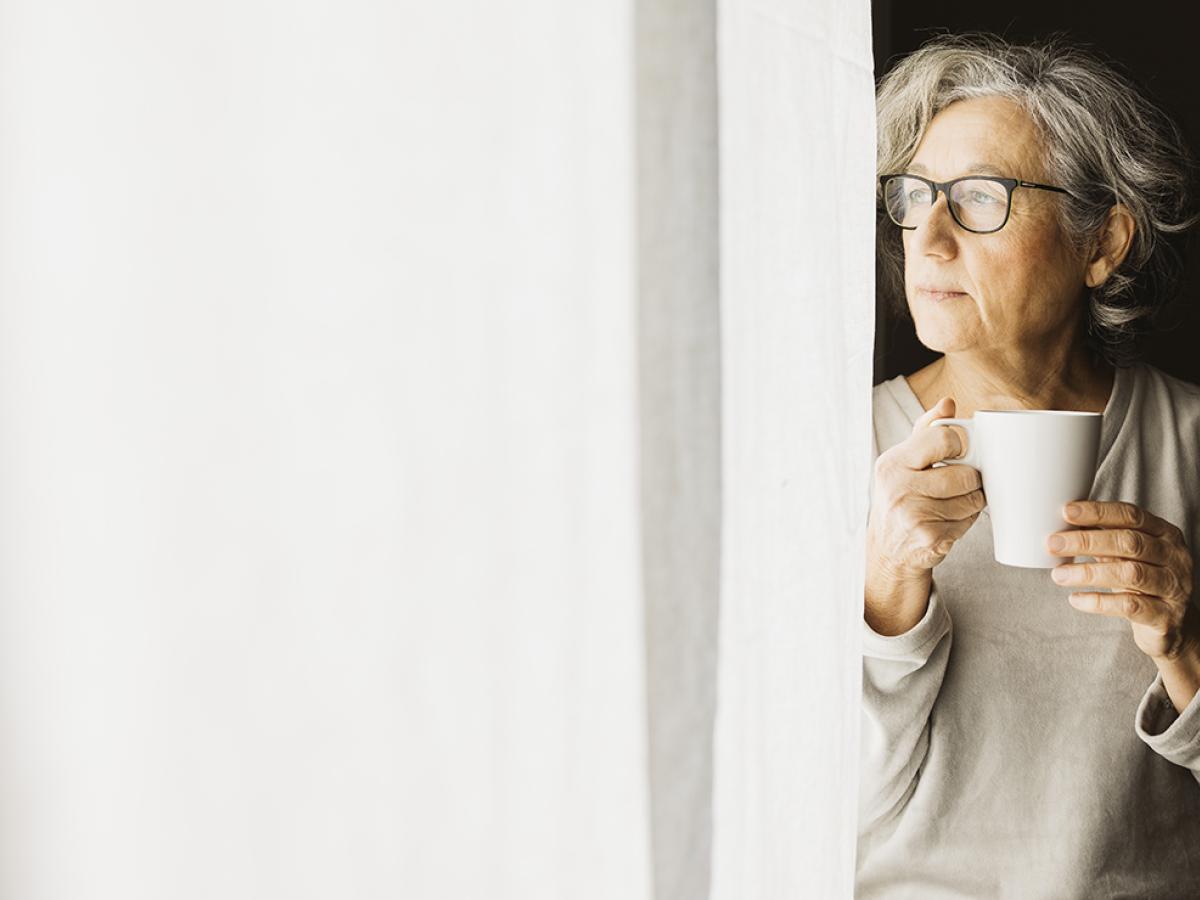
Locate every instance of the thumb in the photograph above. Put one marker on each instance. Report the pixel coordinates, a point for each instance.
(943, 409)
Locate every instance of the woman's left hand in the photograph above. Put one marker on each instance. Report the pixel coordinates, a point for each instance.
(1146, 561)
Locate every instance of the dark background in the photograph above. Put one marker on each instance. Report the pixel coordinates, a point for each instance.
(1152, 43)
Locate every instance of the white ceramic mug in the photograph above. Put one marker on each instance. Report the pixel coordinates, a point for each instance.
(1033, 462)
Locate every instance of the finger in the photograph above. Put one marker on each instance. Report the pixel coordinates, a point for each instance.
(1118, 514)
(928, 445)
(944, 407)
(1123, 575)
(947, 481)
(1134, 607)
(1112, 543)
(959, 509)
(951, 509)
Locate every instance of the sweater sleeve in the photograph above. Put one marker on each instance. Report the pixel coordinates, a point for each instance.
(901, 679)
(1174, 736)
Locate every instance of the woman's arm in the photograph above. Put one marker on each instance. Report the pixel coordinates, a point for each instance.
(902, 675)
(1146, 563)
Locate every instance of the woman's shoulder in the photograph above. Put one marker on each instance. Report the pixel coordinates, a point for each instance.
(1158, 399)
(1156, 390)
(1160, 381)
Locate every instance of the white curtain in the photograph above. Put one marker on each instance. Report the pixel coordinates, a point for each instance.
(331, 502)
(797, 316)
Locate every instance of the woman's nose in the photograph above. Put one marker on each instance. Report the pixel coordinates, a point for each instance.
(937, 236)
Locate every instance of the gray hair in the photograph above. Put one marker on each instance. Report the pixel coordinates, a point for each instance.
(1106, 144)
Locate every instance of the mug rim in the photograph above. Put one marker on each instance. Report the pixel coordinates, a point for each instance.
(1040, 412)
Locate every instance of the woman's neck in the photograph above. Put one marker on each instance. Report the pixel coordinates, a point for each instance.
(1077, 384)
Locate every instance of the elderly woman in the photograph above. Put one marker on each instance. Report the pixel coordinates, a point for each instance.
(1030, 733)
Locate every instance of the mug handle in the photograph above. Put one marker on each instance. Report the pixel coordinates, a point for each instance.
(972, 457)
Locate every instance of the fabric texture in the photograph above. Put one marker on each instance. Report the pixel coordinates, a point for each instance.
(1013, 746)
(797, 159)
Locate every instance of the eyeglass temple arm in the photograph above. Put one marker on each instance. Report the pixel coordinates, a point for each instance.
(1043, 187)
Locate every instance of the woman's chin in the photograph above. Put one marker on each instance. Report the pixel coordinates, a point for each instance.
(941, 341)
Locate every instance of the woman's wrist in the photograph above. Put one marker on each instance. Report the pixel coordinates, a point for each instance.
(894, 605)
(1181, 675)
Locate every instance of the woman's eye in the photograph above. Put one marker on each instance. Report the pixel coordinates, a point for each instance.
(980, 198)
(918, 195)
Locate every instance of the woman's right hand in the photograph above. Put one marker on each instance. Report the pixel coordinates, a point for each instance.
(917, 513)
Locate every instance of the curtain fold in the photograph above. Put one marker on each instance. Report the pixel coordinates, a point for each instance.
(797, 157)
(679, 375)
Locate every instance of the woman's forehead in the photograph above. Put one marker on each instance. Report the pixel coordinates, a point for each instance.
(980, 136)
(977, 167)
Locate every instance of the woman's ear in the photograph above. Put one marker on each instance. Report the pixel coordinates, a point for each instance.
(1116, 237)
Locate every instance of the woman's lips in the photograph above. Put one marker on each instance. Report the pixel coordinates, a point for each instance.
(935, 294)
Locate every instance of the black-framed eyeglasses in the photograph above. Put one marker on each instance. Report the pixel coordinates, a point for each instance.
(979, 203)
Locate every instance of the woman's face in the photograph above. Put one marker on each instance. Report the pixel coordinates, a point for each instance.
(1016, 291)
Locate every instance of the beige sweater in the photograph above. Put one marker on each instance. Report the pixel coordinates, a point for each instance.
(1014, 746)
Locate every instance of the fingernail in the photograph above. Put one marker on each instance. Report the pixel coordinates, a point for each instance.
(1057, 542)
(1060, 575)
(1073, 509)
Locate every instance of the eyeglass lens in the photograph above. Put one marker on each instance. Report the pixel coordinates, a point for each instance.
(977, 203)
